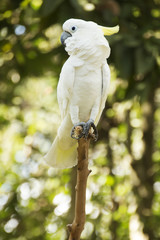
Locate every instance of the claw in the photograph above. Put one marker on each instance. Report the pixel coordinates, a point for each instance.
(84, 132)
(90, 124)
(75, 135)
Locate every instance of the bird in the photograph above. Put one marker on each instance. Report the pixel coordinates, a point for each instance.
(82, 88)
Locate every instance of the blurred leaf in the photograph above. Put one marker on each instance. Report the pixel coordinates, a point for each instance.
(110, 180)
(49, 6)
(123, 60)
(143, 61)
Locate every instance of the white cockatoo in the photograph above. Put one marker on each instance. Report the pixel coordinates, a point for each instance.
(82, 88)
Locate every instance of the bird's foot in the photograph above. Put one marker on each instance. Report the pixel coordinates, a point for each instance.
(82, 129)
(90, 125)
(77, 130)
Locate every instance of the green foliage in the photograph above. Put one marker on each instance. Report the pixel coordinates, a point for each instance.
(123, 189)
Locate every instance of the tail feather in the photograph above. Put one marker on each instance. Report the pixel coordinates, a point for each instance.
(63, 152)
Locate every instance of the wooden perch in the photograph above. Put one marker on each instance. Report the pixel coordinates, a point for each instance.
(76, 228)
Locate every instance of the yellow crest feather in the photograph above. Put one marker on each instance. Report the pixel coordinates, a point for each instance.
(109, 30)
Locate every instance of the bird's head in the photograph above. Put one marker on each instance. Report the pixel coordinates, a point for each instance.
(81, 37)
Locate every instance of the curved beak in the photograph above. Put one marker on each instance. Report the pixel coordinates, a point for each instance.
(109, 30)
(64, 36)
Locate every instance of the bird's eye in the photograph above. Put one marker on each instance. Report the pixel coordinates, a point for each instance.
(73, 28)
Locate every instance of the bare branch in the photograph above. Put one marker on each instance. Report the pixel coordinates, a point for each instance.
(77, 226)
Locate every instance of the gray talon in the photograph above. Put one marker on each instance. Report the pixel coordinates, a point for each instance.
(81, 124)
(90, 124)
(85, 130)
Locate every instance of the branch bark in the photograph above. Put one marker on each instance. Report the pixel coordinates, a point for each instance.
(76, 228)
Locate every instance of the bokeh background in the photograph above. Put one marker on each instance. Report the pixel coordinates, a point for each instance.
(123, 194)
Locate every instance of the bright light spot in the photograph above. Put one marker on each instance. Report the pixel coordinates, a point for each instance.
(28, 140)
(11, 225)
(134, 224)
(3, 200)
(24, 203)
(105, 212)
(87, 230)
(20, 29)
(36, 4)
(7, 14)
(122, 189)
(40, 142)
(132, 208)
(89, 208)
(32, 189)
(136, 12)
(60, 198)
(88, 194)
(138, 144)
(9, 56)
(95, 214)
(155, 13)
(63, 202)
(15, 77)
(20, 156)
(6, 187)
(135, 227)
(51, 171)
(4, 32)
(119, 171)
(52, 228)
(53, 31)
(36, 188)
(89, 7)
(25, 191)
(101, 180)
(25, 170)
(156, 187)
(123, 168)
(113, 133)
(136, 123)
(33, 166)
(138, 149)
(62, 208)
(17, 100)
(6, 48)
(94, 188)
(156, 156)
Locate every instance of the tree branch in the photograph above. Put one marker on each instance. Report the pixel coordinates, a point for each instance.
(77, 226)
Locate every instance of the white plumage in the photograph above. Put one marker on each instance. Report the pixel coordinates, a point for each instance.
(82, 88)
